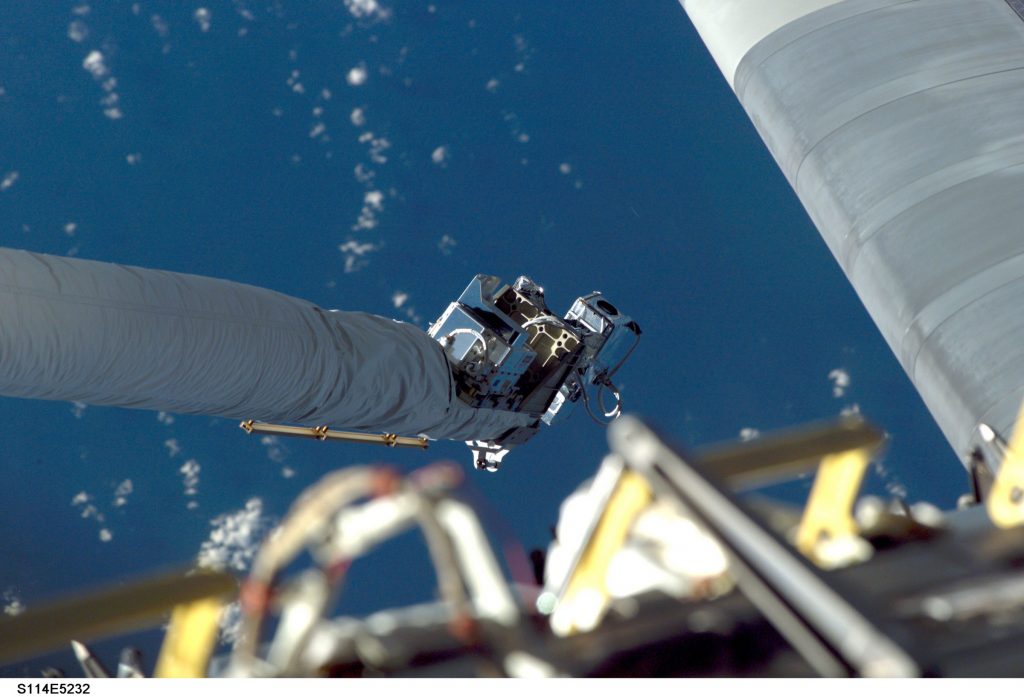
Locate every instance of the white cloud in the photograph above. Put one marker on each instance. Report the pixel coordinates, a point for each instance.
(565, 168)
(8, 181)
(355, 253)
(378, 146)
(446, 243)
(275, 451)
(202, 17)
(12, 603)
(357, 75)
(78, 408)
(747, 434)
(492, 85)
(318, 130)
(122, 491)
(111, 111)
(160, 26)
(373, 203)
(243, 11)
(892, 484)
(78, 31)
(840, 381)
(440, 155)
(231, 624)
(363, 174)
(367, 10)
(232, 545)
(850, 410)
(95, 64)
(400, 299)
(173, 448)
(84, 501)
(235, 537)
(358, 117)
(293, 82)
(165, 418)
(190, 476)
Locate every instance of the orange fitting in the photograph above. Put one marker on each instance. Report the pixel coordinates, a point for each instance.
(254, 597)
(465, 629)
(385, 482)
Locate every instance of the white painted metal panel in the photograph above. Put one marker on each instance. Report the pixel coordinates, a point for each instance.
(899, 124)
(730, 28)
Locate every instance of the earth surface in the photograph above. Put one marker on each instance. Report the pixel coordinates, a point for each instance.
(374, 155)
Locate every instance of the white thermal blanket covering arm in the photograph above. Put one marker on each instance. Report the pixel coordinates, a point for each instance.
(107, 334)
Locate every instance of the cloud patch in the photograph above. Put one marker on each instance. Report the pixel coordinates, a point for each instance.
(233, 542)
(12, 603)
(840, 380)
(355, 254)
(190, 478)
(367, 10)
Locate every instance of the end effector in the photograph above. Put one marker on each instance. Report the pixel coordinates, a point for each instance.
(508, 352)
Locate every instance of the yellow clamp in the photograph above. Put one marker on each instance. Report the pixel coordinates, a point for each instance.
(828, 524)
(190, 640)
(586, 596)
(1005, 502)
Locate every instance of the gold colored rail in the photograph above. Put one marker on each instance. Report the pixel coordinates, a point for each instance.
(324, 433)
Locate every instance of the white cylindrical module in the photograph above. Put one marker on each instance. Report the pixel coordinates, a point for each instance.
(730, 28)
(106, 334)
(899, 125)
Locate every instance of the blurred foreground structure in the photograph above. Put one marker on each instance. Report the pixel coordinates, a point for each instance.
(660, 569)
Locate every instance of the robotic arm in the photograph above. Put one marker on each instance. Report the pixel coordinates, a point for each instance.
(107, 334)
(509, 353)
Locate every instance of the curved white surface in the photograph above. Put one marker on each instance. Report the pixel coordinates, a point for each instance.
(898, 124)
(730, 28)
(107, 334)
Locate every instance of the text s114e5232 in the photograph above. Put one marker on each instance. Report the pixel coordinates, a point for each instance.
(53, 688)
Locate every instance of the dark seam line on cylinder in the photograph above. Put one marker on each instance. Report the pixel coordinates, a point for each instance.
(878, 107)
(883, 226)
(778, 49)
(975, 301)
(926, 338)
(1017, 6)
